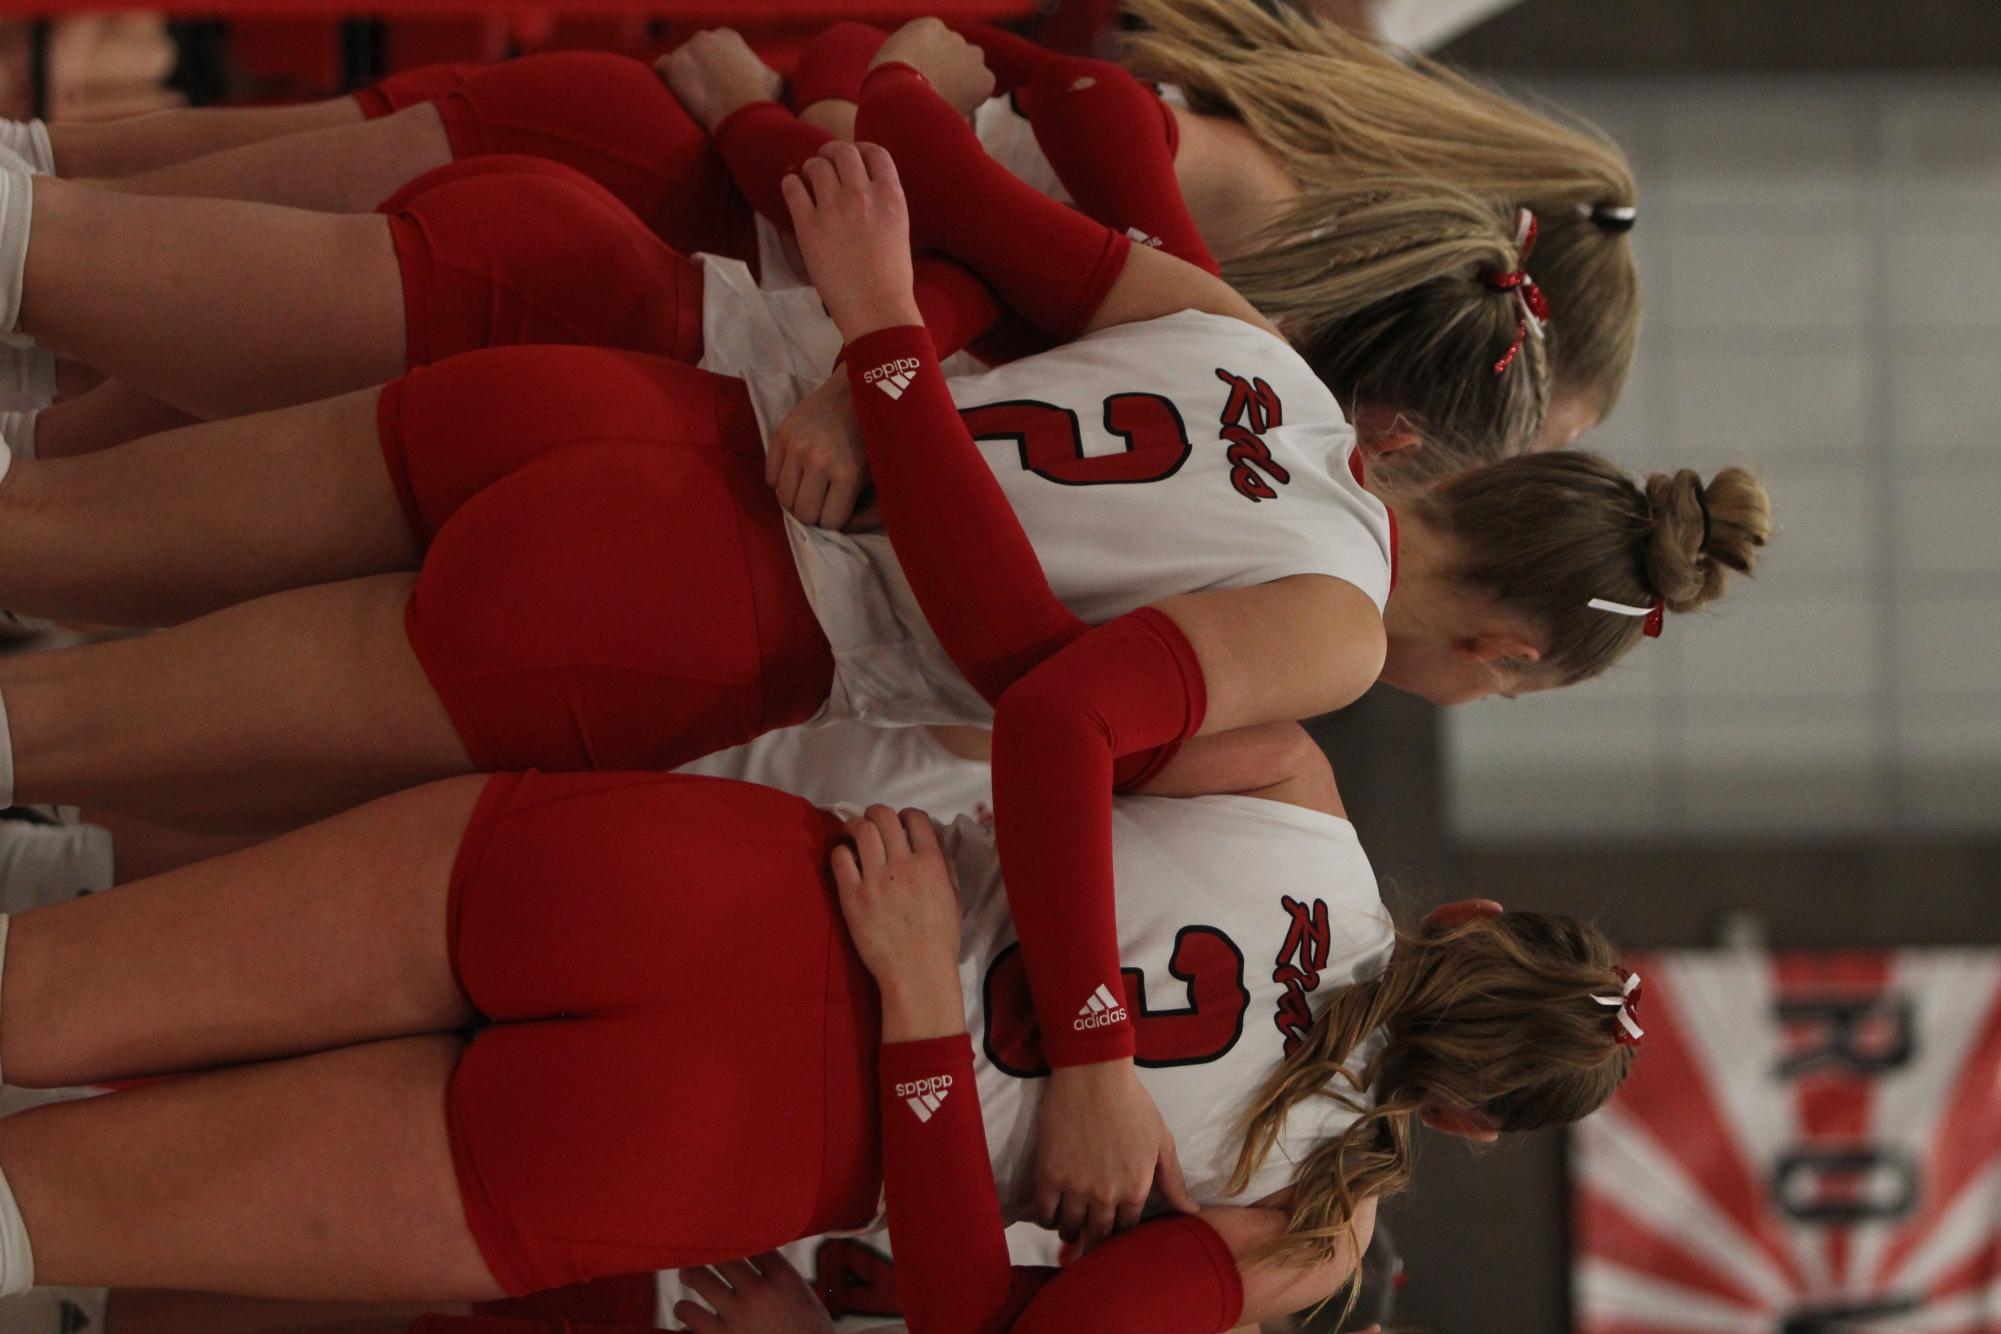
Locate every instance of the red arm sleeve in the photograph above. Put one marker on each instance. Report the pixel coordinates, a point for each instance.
(1014, 59)
(486, 1324)
(762, 143)
(952, 1269)
(1070, 701)
(833, 65)
(1169, 1276)
(1050, 263)
(1112, 143)
(976, 577)
(1129, 687)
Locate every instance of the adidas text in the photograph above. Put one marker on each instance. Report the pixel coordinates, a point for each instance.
(935, 1084)
(893, 377)
(924, 1096)
(1098, 1010)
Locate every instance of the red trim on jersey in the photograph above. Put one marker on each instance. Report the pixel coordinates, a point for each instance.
(1359, 471)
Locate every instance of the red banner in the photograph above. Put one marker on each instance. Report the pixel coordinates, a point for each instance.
(1808, 1144)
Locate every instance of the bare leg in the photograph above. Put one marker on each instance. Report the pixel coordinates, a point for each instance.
(113, 413)
(214, 306)
(143, 1311)
(133, 144)
(140, 1311)
(256, 719)
(346, 168)
(329, 1176)
(141, 850)
(204, 517)
(328, 936)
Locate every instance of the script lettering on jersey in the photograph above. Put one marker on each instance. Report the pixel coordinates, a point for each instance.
(1299, 962)
(1251, 410)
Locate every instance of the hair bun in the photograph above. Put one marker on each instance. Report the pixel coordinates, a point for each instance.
(1700, 533)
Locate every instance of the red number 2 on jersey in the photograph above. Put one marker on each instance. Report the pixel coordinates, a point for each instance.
(1052, 442)
(1204, 958)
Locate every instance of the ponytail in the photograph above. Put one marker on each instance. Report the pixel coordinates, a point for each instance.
(1571, 542)
(1502, 1017)
(1332, 108)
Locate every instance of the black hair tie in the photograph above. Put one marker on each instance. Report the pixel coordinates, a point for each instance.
(1612, 217)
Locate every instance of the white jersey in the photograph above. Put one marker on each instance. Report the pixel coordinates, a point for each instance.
(1144, 461)
(855, 1276)
(1238, 919)
(853, 764)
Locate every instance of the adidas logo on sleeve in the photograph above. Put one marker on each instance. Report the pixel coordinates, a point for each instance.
(893, 377)
(924, 1096)
(1100, 1009)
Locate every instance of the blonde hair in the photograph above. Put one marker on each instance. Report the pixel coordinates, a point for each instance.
(1491, 1016)
(1546, 533)
(1407, 319)
(1331, 107)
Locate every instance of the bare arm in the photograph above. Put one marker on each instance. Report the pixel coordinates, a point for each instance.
(1274, 761)
(1293, 648)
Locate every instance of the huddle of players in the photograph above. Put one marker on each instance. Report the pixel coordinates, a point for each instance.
(1345, 242)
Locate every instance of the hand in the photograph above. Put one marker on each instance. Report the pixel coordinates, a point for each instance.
(768, 1299)
(816, 461)
(854, 232)
(715, 73)
(901, 903)
(1101, 1147)
(956, 68)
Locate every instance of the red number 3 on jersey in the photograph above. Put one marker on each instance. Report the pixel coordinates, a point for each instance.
(1204, 958)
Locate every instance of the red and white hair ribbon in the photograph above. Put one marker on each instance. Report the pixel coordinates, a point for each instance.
(1535, 307)
(1627, 1003)
(1655, 612)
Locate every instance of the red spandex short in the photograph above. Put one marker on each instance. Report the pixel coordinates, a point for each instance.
(610, 117)
(681, 1064)
(513, 249)
(608, 583)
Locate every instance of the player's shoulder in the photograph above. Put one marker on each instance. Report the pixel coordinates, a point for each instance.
(1232, 357)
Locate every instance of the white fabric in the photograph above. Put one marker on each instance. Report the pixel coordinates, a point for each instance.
(1426, 25)
(17, 202)
(17, 429)
(27, 142)
(41, 864)
(6, 751)
(1221, 862)
(17, 1257)
(27, 374)
(857, 765)
(1106, 550)
(55, 1311)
